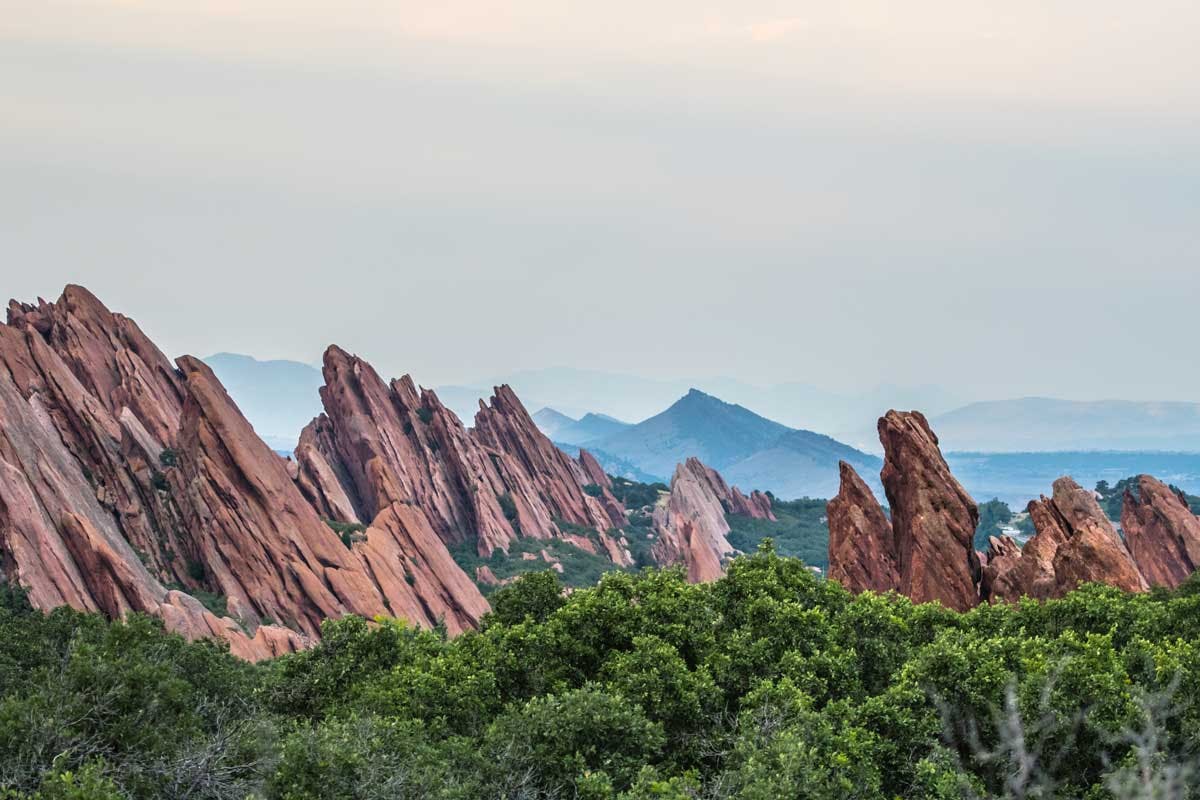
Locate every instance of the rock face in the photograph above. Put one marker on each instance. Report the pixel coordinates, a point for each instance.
(378, 444)
(126, 482)
(595, 475)
(1074, 543)
(88, 407)
(933, 517)
(1162, 533)
(862, 547)
(691, 523)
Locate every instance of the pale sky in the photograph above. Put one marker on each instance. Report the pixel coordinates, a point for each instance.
(1002, 197)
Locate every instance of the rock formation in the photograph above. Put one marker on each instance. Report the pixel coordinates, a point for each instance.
(87, 409)
(933, 517)
(1162, 533)
(691, 523)
(862, 547)
(1074, 543)
(126, 483)
(378, 444)
(595, 476)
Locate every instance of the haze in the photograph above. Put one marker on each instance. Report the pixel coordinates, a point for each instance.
(1000, 198)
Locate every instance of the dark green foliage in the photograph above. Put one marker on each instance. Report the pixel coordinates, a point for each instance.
(508, 506)
(637, 495)
(160, 482)
(579, 568)
(770, 683)
(425, 415)
(196, 570)
(993, 515)
(535, 596)
(348, 532)
(167, 457)
(801, 530)
(593, 489)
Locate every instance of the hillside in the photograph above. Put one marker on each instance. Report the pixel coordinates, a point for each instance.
(754, 451)
(1038, 424)
(588, 428)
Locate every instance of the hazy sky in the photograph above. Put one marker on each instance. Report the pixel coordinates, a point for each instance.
(1003, 197)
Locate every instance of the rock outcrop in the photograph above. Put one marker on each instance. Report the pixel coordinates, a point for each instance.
(691, 522)
(379, 444)
(595, 476)
(87, 408)
(1162, 533)
(862, 547)
(933, 517)
(126, 483)
(1074, 543)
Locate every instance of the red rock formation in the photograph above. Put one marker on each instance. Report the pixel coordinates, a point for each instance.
(109, 355)
(933, 517)
(416, 573)
(862, 547)
(544, 474)
(377, 444)
(595, 475)
(120, 473)
(1162, 533)
(60, 542)
(756, 506)
(691, 524)
(1075, 543)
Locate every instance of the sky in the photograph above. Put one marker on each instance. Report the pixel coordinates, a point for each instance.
(1001, 198)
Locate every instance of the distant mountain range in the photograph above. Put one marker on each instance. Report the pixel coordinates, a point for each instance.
(1037, 424)
(1030, 440)
(575, 392)
(278, 397)
(567, 430)
(749, 450)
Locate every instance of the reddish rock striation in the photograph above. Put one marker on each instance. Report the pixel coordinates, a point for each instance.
(1074, 543)
(933, 517)
(380, 443)
(691, 523)
(1162, 533)
(58, 538)
(595, 475)
(120, 474)
(862, 547)
(549, 476)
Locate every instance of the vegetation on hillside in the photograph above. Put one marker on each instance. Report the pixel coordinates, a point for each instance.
(993, 516)
(801, 530)
(770, 683)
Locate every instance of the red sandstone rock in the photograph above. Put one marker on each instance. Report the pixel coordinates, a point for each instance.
(691, 524)
(534, 465)
(1162, 533)
(116, 475)
(1075, 543)
(933, 517)
(416, 573)
(378, 444)
(862, 547)
(595, 474)
(65, 547)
